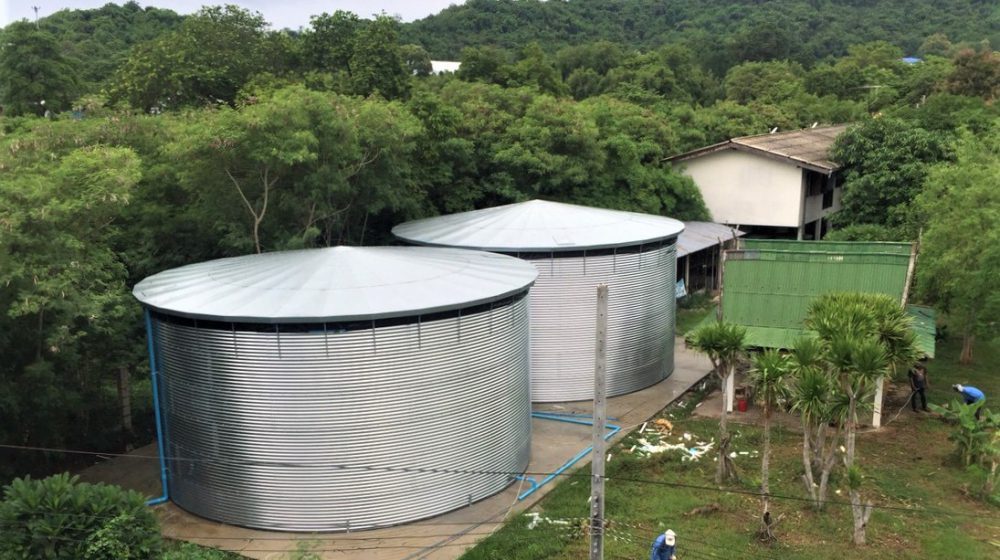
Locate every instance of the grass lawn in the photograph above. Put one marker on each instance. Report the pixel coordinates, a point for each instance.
(907, 464)
(691, 311)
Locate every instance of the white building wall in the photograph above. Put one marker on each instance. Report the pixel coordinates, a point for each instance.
(814, 206)
(745, 189)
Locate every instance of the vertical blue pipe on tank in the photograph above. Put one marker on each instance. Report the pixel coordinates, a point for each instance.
(155, 379)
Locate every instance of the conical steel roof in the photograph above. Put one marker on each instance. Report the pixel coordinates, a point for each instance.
(537, 226)
(335, 284)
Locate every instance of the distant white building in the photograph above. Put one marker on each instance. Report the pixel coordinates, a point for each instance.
(443, 66)
(782, 184)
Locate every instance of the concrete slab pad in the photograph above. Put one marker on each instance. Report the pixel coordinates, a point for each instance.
(444, 537)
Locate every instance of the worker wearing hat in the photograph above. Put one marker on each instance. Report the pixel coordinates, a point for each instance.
(664, 546)
(971, 395)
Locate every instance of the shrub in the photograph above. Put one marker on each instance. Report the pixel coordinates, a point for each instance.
(60, 518)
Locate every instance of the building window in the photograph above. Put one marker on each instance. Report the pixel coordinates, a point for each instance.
(815, 183)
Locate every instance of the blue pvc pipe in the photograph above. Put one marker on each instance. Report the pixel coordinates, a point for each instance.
(570, 414)
(568, 464)
(155, 378)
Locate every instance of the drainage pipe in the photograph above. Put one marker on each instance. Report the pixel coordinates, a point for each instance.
(612, 430)
(155, 379)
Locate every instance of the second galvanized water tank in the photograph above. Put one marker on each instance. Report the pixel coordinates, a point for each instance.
(575, 248)
(343, 388)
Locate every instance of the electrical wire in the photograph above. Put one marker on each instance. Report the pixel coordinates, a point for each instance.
(435, 470)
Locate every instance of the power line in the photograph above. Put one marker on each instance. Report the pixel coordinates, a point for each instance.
(437, 470)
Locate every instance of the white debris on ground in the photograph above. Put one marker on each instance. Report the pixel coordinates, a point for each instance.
(655, 437)
(537, 519)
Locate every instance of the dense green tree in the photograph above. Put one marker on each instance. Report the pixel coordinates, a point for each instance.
(768, 82)
(207, 60)
(61, 518)
(936, 44)
(534, 67)
(764, 35)
(65, 301)
(329, 42)
(885, 162)
(484, 64)
(376, 63)
(976, 74)
(721, 31)
(97, 41)
(35, 77)
(960, 251)
(416, 59)
(297, 168)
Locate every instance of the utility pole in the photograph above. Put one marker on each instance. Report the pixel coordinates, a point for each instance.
(600, 417)
(36, 15)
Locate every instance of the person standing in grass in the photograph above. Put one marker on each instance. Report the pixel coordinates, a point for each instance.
(971, 395)
(918, 383)
(664, 547)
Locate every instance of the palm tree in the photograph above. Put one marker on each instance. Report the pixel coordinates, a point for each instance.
(768, 380)
(811, 396)
(724, 344)
(866, 338)
(868, 364)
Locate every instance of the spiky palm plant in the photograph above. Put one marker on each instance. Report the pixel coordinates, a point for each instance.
(811, 395)
(724, 344)
(767, 376)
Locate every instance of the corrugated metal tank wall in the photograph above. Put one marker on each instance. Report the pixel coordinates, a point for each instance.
(361, 428)
(640, 320)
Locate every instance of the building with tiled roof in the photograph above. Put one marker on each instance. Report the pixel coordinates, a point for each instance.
(782, 184)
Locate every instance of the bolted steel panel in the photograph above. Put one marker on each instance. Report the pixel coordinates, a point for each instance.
(331, 428)
(641, 304)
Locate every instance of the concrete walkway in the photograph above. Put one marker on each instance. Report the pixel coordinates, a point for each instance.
(444, 537)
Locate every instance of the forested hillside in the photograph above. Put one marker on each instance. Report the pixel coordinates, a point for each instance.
(724, 31)
(91, 44)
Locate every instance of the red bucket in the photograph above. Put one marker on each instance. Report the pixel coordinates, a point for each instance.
(741, 405)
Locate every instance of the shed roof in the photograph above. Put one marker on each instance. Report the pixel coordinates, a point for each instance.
(335, 284)
(700, 235)
(808, 148)
(539, 226)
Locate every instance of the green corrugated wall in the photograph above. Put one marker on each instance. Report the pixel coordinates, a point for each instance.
(855, 247)
(769, 291)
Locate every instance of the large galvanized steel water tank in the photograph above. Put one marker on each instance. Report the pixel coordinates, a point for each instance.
(575, 248)
(341, 388)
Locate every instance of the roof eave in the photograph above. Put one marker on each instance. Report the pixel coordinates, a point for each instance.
(730, 144)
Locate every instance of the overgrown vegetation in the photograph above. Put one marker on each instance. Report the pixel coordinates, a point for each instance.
(909, 464)
(60, 518)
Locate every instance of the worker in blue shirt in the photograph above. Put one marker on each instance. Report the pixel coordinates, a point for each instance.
(663, 547)
(971, 396)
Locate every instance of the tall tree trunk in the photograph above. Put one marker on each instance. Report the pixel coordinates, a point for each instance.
(820, 445)
(829, 460)
(766, 534)
(125, 399)
(968, 340)
(852, 422)
(860, 513)
(807, 464)
(725, 470)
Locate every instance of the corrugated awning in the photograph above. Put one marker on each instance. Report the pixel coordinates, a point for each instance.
(701, 235)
